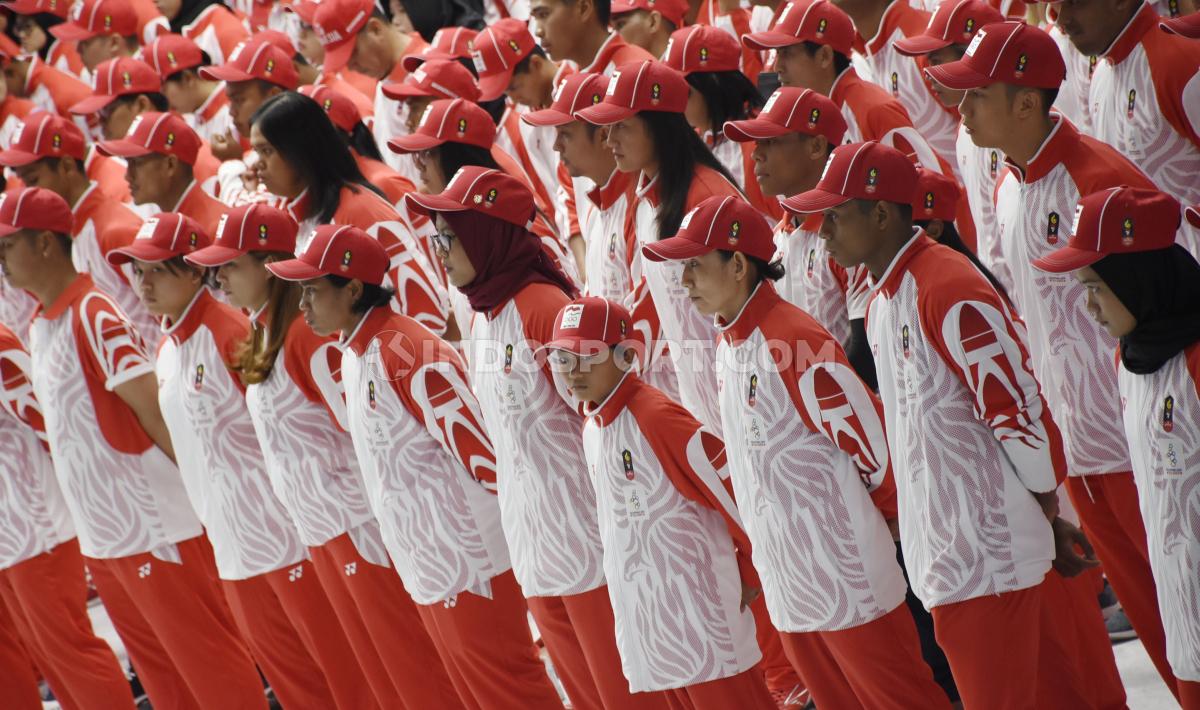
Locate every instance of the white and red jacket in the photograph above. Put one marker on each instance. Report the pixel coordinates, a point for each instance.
(391, 116)
(613, 53)
(17, 307)
(1162, 421)
(212, 118)
(814, 282)
(204, 407)
(428, 463)
(124, 494)
(980, 169)
(547, 504)
(1072, 100)
(603, 213)
(33, 513)
(217, 31)
(673, 541)
(969, 433)
(1070, 351)
(809, 463)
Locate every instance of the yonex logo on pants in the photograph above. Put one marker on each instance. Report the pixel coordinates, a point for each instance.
(144, 571)
(295, 573)
(351, 568)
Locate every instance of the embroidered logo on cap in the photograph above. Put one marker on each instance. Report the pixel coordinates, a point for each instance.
(462, 126)
(346, 257)
(735, 229)
(1022, 61)
(262, 232)
(1127, 231)
(270, 66)
(872, 178)
(655, 93)
(492, 194)
(56, 142)
(621, 327)
(814, 116)
(512, 44)
(171, 59)
(192, 240)
(704, 55)
(822, 25)
(126, 79)
(170, 139)
(327, 104)
(928, 202)
(571, 316)
(968, 27)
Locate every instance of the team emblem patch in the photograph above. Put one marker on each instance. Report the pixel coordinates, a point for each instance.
(198, 382)
(126, 79)
(508, 354)
(1022, 62)
(735, 230)
(621, 327)
(814, 116)
(752, 397)
(512, 44)
(171, 59)
(270, 66)
(1168, 417)
(1131, 103)
(812, 261)
(346, 257)
(56, 141)
(904, 342)
(928, 203)
(704, 55)
(462, 126)
(492, 194)
(968, 27)
(822, 25)
(1052, 221)
(327, 104)
(627, 463)
(994, 163)
(371, 394)
(895, 84)
(170, 139)
(192, 240)
(655, 93)
(1127, 231)
(262, 232)
(107, 22)
(872, 178)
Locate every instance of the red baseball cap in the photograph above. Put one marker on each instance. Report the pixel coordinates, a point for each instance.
(1008, 52)
(164, 236)
(485, 190)
(448, 121)
(337, 250)
(447, 43)
(863, 171)
(672, 10)
(576, 92)
(121, 76)
(438, 78)
(44, 135)
(172, 53)
(702, 48)
(34, 208)
(306, 10)
(342, 111)
(277, 38)
(817, 21)
(256, 58)
(791, 110)
(1186, 26)
(58, 8)
(955, 22)
(154, 132)
(590, 325)
(498, 50)
(936, 196)
(639, 86)
(719, 222)
(1119, 220)
(337, 24)
(92, 18)
(253, 227)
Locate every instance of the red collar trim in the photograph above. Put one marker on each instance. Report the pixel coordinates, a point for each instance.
(366, 330)
(1145, 20)
(607, 411)
(70, 295)
(192, 318)
(606, 195)
(753, 312)
(842, 84)
(890, 281)
(1062, 140)
(298, 207)
(647, 189)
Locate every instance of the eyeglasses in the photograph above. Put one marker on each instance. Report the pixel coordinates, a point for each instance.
(442, 241)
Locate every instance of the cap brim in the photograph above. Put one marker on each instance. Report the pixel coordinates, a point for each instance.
(1067, 259)
(91, 104)
(410, 62)
(214, 255)
(424, 204)
(603, 114)
(494, 86)
(769, 40)
(224, 72)
(753, 129)
(400, 91)
(920, 44)
(1183, 26)
(307, 15)
(337, 55)
(17, 158)
(413, 143)
(576, 346)
(7, 230)
(71, 32)
(547, 117)
(295, 270)
(144, 251)
(957, 75)
(122, 148)
(817, 200)
(674, 249)
(1193, 215)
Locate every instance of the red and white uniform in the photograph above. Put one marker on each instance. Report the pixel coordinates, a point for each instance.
(17, 307)
(212, 118)
(54, 90)
(109, 173)
(391, 116)
(124, 494)
(217, 31)
(737, 159)
(815, 283)
(533, 148)
(220, 459)
(1069, 349)
(809, 463)
(428, 464)
(874, 115)
(969, 433)
(13, 111)
(613, 53)
(200, 206)
(980, 169)
(1072, 99)
(668, 522)
(1162, 420)
(603, 212)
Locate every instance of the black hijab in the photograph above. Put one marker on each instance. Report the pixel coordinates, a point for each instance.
(1161, 288)
(189, 10)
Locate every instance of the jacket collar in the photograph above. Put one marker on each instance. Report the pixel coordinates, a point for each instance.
(70, 295)
(1063, 139)
(890, 281)
(606, 195)
(191, 318)
(607, 411)
(366, 330)
(754, 311)
(1143, 21)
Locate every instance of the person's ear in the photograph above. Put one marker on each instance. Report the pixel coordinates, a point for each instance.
(142, 104)
(818, 149)
(824, 56)
(881, 215)
(354, 290)
(935, 228)
(375, 27)
(741, 267)
(624, 357)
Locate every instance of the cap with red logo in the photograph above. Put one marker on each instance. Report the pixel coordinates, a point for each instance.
(437, 78)
(121, 76)
(1119, 220)
(936, 196)
(719, 222)
(577, 91)
(791, 110)
(93, 18)
(337, 250)
(337, 23)
(34, 208)
(342, 111)
(164, 236)
(859, 171)
(256, 58)
(590, 325)
(44, 135)
(639, 86)
(448, 121)
(448, 43)
(253, 227)
(703, 48)
(498, 50)
(1186, 26)
(1008, 52)
(58, 8)
(672, 11)
(154, 132)
(484, 190)
(817, 21)
(955, 22)
(172, 53)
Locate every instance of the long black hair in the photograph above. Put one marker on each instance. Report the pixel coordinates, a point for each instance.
(679, 151)
(728, 96)
(301, 131)
(362, 141)
(950, 238)
(452, 156)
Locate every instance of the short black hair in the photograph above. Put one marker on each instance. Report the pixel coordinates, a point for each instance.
(603, 10)
(205, 60)
(53, 163)
(523, 66)
(763, 269)
(156, 99)
(65, 242)
(1049, 96)
(373, 295)
(727, 95)
(840, 61)
(906, 210)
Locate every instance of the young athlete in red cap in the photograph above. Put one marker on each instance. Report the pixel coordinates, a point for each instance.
(274, 595)
(208, 23)
(649, 23)
(429, 469)
(1011, 73)
(1143, 288)
(978, 512)
(137, 531)
(675, 553)
(31, 24)
(514, 292)
(122, 89)
(578, 30)
(177, 60)
(42, 587)
(101, 30)
(50, 89)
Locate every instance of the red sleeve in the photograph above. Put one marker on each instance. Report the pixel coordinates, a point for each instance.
(117, 352)
(417, 294)
(1100, 166)
(539, 305)
(1174, 62)
(16, 391)
(568, 187)
(314, 364)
